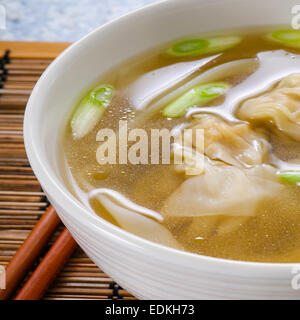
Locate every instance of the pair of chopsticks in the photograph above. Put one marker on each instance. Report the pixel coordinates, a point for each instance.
(49, 267)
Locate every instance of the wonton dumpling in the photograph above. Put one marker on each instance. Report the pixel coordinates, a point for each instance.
(279, 106)
(223, 190)
(236, 144)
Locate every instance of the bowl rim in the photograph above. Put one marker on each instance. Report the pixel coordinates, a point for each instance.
(70, 204)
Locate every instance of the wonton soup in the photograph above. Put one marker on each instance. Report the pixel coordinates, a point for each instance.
(229, 106)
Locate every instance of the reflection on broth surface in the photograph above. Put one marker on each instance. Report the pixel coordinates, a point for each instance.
(243, 89)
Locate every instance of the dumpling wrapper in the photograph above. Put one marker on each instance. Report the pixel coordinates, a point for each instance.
(223, 190)
(280, 107)
(233, 143)
(133, 221)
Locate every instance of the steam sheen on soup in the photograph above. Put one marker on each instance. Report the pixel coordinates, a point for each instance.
(238, 93)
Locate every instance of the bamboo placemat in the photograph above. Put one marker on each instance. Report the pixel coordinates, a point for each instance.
(22, 201)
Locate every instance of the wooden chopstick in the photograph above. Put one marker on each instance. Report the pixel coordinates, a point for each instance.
(29, 251)
(48, 269)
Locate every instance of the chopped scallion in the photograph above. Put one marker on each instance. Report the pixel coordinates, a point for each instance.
(90, 110)
(289, 38)
(290, 176)
(197, 96)
(197, 47)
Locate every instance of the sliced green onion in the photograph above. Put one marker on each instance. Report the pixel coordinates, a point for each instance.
(197, 47)
(90, 110)
(290, 176)
(197, 96)
(290, 38)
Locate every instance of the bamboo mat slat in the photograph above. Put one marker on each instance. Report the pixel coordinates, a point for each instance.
(22, 201)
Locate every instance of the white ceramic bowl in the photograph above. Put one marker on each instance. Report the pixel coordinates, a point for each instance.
(145, 269)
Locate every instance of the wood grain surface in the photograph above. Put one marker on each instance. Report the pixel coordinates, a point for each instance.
(22, 201)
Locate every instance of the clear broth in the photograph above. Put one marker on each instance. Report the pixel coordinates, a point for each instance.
(272, 235)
